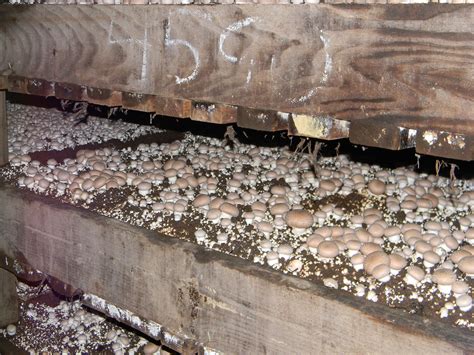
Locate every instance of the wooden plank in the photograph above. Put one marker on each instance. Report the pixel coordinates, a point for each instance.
(262, 120)
(138, 102)
(214, 113)
(174, 107)
(445, 144)
(8, 299)
(3, 82)
(343, 62)
(321, 127)
(18, 84)
(383, 132)
(226, 303)
(40, 87)
(69, 91)
(104, 97)
(444, 138)
(3, 129)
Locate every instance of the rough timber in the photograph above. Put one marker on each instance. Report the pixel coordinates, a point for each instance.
(219, 301)
(314, 70)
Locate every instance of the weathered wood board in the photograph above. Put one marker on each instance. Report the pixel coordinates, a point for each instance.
(3, 129)
(342, 62)
(9, 310)
(225, 303)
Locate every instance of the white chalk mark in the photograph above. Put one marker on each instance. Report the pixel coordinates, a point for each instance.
(304, 98)
(328, 59)
(249, 73)
(141, 42)
(326, 72)
(236, 26)
(194, 51)
(144, 55)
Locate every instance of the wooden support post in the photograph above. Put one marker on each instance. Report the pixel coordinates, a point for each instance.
(8, 298)
(3, 129)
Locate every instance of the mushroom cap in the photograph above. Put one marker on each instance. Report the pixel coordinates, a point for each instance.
(397, 262)
(375, 259)
(444, 277)
(299, 219)
(285, 249)
(230, 209)
(416, 272)
(381, 271)
(279, 209)
(431, 257)
(265, 227)
(464, 300)
(459, 286)
(201, 200)
(466, 265)
(368, 248)
(328, 249)
(376, 230)
(458, 255)
(376, 187)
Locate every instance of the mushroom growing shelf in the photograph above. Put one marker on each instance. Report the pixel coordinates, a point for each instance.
(240, 247)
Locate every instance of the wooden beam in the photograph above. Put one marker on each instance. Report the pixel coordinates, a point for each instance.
(3, 82)
(214, 113)
(343, 62)
(223, 302)
(9, 310)
(444, 138)
(320, 127)
(3, 129)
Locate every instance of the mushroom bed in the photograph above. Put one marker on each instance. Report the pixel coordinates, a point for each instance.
(394, 236)
(51, 325)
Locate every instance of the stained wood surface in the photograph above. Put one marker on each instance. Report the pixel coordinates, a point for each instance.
(9, 310)
(226, 303)
(3, 129)
(344, 62)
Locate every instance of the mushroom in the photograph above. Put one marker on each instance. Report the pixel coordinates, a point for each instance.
(150, 348)
(381, 272)
(414, 275)
(464, 302)
(272, 258)
(357, 261)
(375, 259)
(328, 249)
(397, 263)
(299, 220)
(376, 187)
(466, 265)
(444, 278)
(284, 251)
(459, 287)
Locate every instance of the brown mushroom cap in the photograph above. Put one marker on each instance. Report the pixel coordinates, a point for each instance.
(279, 209)
(381, 271)
(376, 187)
(328, 249)
(444, 277)
(416, 272)
(229, 209)
(375, 259)
(299, 219)
(466, 265)
(397, 262)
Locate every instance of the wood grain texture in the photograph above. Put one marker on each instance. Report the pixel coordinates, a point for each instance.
(444, 138)
(343, 62)
(9, 310)
(224, 302)
(3, 129)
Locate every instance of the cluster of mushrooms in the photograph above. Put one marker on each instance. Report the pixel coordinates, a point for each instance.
(287, 209)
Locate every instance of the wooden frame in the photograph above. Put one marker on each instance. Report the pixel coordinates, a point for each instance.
(219, 301)
(324, 67)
